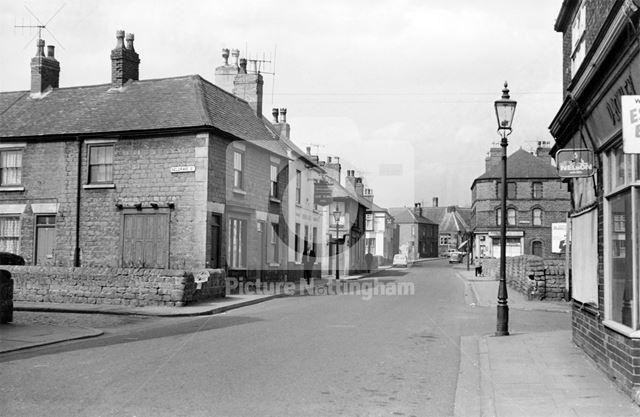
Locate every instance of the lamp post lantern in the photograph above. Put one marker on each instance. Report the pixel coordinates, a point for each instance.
(505, 108)
(336, 217)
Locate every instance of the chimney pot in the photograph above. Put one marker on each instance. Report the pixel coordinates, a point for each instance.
(119, 39)
(328, 159)
(129, 39)
(235, 53)
(243, 65)
(274, 113)
(40, 44)
(283, 115)
(225, 56)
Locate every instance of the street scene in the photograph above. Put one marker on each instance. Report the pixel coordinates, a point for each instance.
(278, 208)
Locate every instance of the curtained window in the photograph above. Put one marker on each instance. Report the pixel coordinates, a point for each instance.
(10, 234)
(11, 167)
(100, 164)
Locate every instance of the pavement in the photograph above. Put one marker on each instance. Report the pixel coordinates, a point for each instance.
(536, 374)
(530, 374)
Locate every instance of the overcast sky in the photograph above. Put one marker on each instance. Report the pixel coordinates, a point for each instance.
(402, 91)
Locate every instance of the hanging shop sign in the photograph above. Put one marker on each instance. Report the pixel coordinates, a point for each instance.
(323, 193)
(575, 163)
(631, 124)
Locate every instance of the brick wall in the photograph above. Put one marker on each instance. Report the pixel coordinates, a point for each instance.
(122, 286)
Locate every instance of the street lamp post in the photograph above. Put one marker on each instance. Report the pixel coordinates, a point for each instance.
(336, 217)
(505, 108)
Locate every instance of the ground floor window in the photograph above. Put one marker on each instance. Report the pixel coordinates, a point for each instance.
(237, 243)
(10, 234)
(514, 247)
(145, 240)
(536, 248)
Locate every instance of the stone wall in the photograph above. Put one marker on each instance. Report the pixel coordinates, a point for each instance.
(117, 286)
(535, 277)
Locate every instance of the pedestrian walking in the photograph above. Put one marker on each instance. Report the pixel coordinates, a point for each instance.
(368, 258)
(308, 259)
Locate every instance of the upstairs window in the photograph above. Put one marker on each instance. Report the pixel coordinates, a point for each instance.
(11, 167)
(511, 217)
(238, 170)
(369, 222)
(101, 164)
(536, 190)
(537, 217)
(298, 187)
(273, 191)
(511, 190)
(578, 44)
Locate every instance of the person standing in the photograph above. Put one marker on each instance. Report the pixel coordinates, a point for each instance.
(308, 259)
(368, 258)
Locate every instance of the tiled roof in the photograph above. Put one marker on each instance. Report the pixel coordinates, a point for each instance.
(407, 215)
(522, 165)
(146, 105)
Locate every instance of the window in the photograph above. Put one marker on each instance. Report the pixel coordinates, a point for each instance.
(238, 170)
(273, 192)
(314, 245)
(578, 44)
(237, 256)
(621, 240)
(444, 239)
(537, 190)
(511, 190)
(537, 217)
(10, 167)
(306, 237)
(100, 164)
(369, 222)
(215, 241)
(511, 217)
(275, 253)
(10, 234)
(298, 187)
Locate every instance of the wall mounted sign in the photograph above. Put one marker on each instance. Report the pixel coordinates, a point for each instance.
(558, 237)
(323, 193)
(631, 124)
(575, 163)
(186, 168)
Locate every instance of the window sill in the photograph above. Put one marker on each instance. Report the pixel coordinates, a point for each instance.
(97, 186)
(622, 329)
(239, 191)
(275, 200)
(9, 188)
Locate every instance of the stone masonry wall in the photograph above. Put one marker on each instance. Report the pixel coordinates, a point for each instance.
(117, 286)
(531, 275)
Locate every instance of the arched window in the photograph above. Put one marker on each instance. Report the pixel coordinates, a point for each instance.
(536, 215)
(511, 216)
(536, 248)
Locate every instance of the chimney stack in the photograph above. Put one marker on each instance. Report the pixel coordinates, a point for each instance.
(45, 70)
(249, 88)
(493, 158)
(226, 73)
(125, 61)
(333, 168)
(368, 194)
(435, 201)
(285, 129)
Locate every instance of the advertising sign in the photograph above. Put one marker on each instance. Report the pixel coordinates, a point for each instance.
(575, 163)
(558, 237)
(631, 124)
(323, 193)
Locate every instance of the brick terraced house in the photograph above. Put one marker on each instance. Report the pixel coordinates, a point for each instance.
(600, 67)
(171, 173)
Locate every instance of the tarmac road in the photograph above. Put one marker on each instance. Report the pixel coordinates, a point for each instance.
(313, 355)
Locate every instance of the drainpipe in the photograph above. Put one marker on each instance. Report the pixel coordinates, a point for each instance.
(76, 253)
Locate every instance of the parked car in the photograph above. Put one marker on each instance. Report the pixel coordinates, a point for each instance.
(400, 260)
(456, 257)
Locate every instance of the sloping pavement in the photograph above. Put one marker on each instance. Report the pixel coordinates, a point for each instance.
(535, 374)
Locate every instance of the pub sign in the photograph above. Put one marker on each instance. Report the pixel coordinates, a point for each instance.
(575, 163)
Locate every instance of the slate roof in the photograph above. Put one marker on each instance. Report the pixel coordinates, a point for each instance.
(522, 165)
(407, 215)
(449, 220)
(146, 105)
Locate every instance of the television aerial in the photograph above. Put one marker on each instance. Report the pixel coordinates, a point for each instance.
(41, 26)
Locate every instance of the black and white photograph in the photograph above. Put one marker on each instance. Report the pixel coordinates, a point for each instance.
(280, 208)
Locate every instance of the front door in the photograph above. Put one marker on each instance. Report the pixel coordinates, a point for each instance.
(45, 239)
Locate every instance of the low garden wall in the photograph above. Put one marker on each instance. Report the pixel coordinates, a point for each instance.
(533, 276)
(118, 286)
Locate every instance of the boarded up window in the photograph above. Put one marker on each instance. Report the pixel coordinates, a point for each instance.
(145, 240)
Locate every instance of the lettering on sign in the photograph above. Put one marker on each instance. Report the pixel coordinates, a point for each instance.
(323, 193)
(575, 163)
(186, 168)
(631, 124)
(613, 103)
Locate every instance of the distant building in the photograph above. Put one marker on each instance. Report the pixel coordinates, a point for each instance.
(418, 235)
(453, 225)
(381, 232)
(536, 199)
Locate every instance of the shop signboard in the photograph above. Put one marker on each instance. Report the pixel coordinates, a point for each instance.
(575, 163)
(323, 193)
(631, 124)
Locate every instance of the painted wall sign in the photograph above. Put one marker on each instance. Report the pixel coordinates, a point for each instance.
(323, 193)
(186, 168)
(575, 163)
(631, 124)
